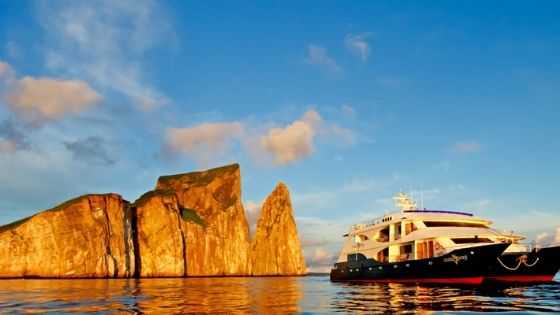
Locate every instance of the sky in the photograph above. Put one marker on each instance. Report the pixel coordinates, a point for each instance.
(347, 103)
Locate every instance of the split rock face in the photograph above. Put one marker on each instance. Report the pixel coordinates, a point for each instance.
(217, 233)
(276, 249)
(86, 237)
(159, 236)
(192, 224)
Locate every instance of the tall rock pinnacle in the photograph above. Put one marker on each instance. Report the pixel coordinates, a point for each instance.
(276, 249)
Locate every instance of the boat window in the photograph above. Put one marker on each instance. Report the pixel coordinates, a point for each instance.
(397, 231)
(383, 235)
(383, 255)
(405, 252)
(409, 228)
(425, 249)
(471, 240)
(453, 224)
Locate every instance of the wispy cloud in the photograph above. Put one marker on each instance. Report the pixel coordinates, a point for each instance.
(104, 41)
(348, 111)
(278, 145)
(469, 146)
(205, 142)
(90, 150)
(12, 137)
(318, 55)
(38, 100)
(293, 142)
(358, 45)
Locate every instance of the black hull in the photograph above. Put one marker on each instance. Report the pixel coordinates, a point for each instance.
(535, 266)
(467, 266)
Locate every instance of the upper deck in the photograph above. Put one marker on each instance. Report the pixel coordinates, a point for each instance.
(425, 215)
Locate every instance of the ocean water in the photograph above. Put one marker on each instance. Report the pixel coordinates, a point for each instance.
(268, 295)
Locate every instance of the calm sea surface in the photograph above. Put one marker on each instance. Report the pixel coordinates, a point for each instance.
(265, 296)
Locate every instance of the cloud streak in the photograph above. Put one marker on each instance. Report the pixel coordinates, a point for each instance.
(204, 142)
(11, 137)
(279, 145)
(104, 41)
(90, 150)
(466, 147)
(318, 56)
(357, 44)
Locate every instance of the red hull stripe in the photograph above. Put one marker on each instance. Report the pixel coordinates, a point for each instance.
(518, 278)
(464, 280)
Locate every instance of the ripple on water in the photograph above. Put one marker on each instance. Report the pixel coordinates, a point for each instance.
(285, 295)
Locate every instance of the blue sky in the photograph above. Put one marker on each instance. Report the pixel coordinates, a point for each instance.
(346, 103)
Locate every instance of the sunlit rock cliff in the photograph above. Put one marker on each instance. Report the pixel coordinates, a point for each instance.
(158, 235)
(85, 237)
(218, 244)
(192, 224)
(276, 249)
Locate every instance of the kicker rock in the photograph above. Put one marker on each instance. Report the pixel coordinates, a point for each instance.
(217, 233)
(86, 237)
(158, 235)
(276, 249)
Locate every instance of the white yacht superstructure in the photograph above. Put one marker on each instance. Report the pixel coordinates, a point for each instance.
(411, 234)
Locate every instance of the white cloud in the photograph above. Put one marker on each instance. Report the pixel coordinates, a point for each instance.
(293, 142)
(357, 44)
(37, 100)
(41, 99)
(317, 55)
(276, 145)
(105, 41)
(204, 142)
(467, 146)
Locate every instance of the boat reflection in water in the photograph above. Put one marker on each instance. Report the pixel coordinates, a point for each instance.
(264, 296)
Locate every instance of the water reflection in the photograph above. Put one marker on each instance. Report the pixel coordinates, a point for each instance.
(263, 296)
(405, 298)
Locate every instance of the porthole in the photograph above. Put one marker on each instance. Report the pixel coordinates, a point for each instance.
(380, 268)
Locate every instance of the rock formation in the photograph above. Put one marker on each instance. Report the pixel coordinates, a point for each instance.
(276, 249)
(85, 237)
(159, 235)
(218, 244)
(192, 224)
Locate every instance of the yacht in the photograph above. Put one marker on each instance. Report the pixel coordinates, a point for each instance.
(437, 246)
